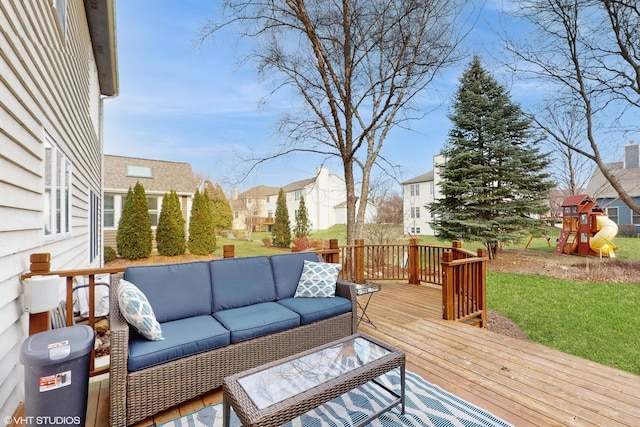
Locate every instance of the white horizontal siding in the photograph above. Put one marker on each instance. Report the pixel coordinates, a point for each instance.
(47, 87)
(10, 368)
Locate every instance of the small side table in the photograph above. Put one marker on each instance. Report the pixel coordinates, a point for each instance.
(369, 288)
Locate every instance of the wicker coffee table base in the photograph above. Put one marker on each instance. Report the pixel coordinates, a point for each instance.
(234, 395)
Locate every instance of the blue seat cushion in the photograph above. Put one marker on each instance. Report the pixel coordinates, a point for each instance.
(287, 269)
(315, 309)
(238, 282)
(182, 338)
(175, 291)
(257, 320)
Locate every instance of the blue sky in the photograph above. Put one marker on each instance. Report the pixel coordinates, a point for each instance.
(183, 101)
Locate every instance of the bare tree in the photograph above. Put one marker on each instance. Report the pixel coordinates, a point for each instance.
(566, 129)
(589, 51)
(358, 66)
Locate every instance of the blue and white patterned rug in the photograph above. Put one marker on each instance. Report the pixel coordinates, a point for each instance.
(426, 405)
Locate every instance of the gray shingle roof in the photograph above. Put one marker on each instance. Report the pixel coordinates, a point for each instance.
(265, 190)
(298, 185)
(425, 177)
(166, 175)
(258, 192)
(629, 179)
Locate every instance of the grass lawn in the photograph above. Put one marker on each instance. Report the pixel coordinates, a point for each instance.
(244, 248)
(597, 321)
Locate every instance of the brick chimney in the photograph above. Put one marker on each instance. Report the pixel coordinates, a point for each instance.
(631, 155)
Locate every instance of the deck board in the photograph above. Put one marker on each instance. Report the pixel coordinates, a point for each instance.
(522, 382)
(519, 381)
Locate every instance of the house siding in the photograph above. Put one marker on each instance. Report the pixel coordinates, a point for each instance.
(627, 174)
(48, 89)
(324, 198)
(165, 176)
(625, 214)
(428, 191)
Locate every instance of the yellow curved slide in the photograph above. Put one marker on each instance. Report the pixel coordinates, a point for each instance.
(601, 241)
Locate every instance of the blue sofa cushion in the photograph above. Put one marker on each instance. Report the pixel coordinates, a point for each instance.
(257, 320)
(182, 338)
(238, 282)
(287, 269)
(315, 309)
(175, 291)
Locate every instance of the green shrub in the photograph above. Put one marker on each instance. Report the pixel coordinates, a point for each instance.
(202, 236)
(281, 230)
(109, 254)
(170, 233)
(221, 209)
(134, 236)
(303, 226)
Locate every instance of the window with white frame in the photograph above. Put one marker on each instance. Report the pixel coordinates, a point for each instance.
(57, 192)
(636, 219)
(94, 225)
(414, 189)
(298, 195)
(613, 214)
(415, 230)
(415, 212)
(152, 202)
(109, 211)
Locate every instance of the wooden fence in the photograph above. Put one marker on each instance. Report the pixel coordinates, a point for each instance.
(462, 275)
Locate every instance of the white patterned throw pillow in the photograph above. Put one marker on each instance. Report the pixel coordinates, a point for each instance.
(136, 309)
(318, 280)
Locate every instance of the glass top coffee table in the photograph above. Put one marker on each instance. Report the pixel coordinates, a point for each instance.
(272, 394)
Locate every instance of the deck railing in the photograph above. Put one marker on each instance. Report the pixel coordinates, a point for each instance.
(462, 275)
(39, 322)
(464, 287)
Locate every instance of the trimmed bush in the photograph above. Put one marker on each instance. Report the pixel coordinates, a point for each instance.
(303, 226)
(281, 230)
(222, 213)
(170, 233)
(134, 236)
(202, 236)
(109, 254)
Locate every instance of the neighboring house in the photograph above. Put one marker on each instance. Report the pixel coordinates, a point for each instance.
(158, 177)
(57, 61)
(324, 196)
(417, 193)
(627, 172)
(249, 208)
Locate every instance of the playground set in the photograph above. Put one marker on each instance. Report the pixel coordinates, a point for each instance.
(586, 229)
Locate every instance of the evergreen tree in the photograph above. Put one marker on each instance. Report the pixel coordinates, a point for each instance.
(134, 237)
(202, 236)
(493, 181)
(303, 226)
(222, 213)
(281, 230)
(170, 232)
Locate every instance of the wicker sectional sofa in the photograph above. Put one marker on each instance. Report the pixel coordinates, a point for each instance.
(217, 318)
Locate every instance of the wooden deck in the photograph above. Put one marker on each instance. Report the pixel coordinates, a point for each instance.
(524, 383)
